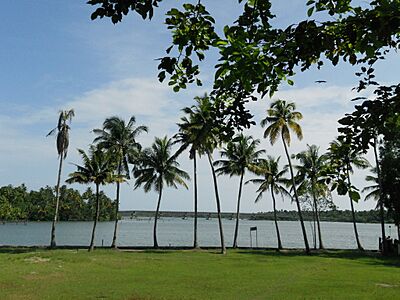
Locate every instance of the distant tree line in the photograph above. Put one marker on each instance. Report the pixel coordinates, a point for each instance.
(19, 204)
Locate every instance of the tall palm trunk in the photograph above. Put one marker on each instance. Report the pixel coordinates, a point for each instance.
(296, 197)
(238, 211)
(381, 209)
(114, 240)
(314, 228)
(96, 218)
(398, 231)
(278, 236)
(352, 212)
(221, 231)
(195, 243)
(53, 225)
(321, 245)
(156, 218)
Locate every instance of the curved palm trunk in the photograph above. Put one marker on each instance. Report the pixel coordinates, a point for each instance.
(156, 218)
(321, 245)
(381, 209)
(195, 243)
(278, 236)
(221, 231)
(96, 218)
(353, 213)
(53, 225)
(303, 229)
(114, 240)
(238, 211)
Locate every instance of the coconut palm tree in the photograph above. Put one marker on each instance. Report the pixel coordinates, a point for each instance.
(240, 154)
(98, 168)
(188, 138)
(381, 196)
(62, 143)
(309, 174)
(342, 159)
(274, 181)
(207, 134)
(282, 118)
(157, 167)
(120, 139)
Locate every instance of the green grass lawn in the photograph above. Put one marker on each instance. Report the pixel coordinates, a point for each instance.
(241, 274)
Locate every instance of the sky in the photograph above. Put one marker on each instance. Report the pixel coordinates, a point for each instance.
(53, 57)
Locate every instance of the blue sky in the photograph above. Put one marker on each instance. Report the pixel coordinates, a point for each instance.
(53, 57)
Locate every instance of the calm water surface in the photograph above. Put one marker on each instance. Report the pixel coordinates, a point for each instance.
(178, 232)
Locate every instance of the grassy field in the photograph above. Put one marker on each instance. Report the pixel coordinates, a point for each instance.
(241, 274)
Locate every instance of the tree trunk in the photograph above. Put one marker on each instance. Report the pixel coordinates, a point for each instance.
(307, 248)
(195, 243)
(53, 225)
(314, 227)
(321, 245)
(114, 240)
(352, 212)
(398, 231)
(238, 211)
(381, 209)
(156, 218)
(221, 231)
(278, 236)
(96, 218)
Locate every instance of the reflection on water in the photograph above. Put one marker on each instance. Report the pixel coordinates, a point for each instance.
(179, 232)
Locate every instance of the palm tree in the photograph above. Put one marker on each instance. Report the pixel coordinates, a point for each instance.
(207, 134)
(309, 173)
(156, 168)
(62, 130)
(240, 153)
(188, 137)
(282, 118)
(343, 158)
(120, 139)
(273, 181)
(380, 199)
(98, 168)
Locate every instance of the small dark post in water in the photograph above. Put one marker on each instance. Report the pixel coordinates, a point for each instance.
(102, 242)
(254, 228)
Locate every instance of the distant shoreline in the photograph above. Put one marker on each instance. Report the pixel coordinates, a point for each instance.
(371, 216)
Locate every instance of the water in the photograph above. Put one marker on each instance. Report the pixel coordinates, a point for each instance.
(178, 232)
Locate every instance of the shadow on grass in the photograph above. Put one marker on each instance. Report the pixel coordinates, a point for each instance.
(19, 250)
(367, 257)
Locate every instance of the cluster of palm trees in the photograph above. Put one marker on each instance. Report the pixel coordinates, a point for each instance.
(115, 148)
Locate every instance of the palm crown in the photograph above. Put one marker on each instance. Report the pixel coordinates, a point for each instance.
(342, 155)
(282, 117)
(63, 131)
(373, 189)
(240, 153)
(98, 167)
(199, 128)
(156, 167)
(273, 177)
(311, 170)
(120, 139)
